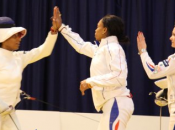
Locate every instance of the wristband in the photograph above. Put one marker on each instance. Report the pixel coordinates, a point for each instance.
(53, 31)
(142, 51)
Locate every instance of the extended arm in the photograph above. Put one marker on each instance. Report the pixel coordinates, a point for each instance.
(162, 69)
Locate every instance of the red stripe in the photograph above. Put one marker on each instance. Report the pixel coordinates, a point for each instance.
(151, 65)
(117, 125)
(130, 95)
(169, 60)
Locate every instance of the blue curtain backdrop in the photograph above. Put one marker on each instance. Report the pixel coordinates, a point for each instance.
(56, 79)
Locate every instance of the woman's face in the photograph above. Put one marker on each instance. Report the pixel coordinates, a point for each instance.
(13, 42)
(172, 38)
(101, 31)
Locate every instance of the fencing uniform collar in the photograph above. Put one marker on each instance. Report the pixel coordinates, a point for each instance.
(6, 52)
(110, 39)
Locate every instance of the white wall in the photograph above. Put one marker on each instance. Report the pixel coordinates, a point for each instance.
(49, 120)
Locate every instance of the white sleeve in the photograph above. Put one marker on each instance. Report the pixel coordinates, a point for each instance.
(163, 69)
(82, 47)
(117, 66)
(42, 51)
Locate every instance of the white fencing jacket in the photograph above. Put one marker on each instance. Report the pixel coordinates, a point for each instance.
(108, 70)
(165, 68)
(12, 65)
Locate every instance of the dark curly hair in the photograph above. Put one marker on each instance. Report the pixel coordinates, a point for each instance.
(115, 26)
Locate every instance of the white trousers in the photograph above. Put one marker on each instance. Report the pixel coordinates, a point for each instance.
(172, 116)
(116, 113)
(9, 122)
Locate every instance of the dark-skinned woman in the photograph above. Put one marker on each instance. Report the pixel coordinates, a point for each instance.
(108, 71)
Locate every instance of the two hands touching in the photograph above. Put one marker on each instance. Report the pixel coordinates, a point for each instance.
(56, 24)
(56, 20)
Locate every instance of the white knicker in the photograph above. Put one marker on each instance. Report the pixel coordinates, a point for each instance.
(116, 113)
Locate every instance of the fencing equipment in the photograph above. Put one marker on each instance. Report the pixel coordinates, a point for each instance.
(165, 68)
(12, 65)
(108, 72)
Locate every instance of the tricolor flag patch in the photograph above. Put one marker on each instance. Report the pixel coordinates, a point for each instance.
(151, 67)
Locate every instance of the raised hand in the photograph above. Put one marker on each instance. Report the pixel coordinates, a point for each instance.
(141, 43)
(56, 19)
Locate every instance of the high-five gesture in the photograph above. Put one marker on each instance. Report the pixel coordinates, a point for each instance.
(56, 19)
(141, 43)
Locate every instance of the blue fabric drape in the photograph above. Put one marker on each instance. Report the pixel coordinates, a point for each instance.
(56, 79)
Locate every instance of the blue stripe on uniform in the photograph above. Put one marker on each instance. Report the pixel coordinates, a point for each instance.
(152, 69)
(114, 113)
(165, 62)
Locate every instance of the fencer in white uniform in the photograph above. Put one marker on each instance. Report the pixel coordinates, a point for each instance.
(108, 72)
(12, 64)
(165, 68)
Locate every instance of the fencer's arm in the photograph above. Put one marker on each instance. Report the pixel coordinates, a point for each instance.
(74, 39)
(162, 69)
(36, 54)
(45, 49)
(108, 80)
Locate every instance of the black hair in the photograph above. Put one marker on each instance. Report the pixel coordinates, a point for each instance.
(0, 45)
(115, 27)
